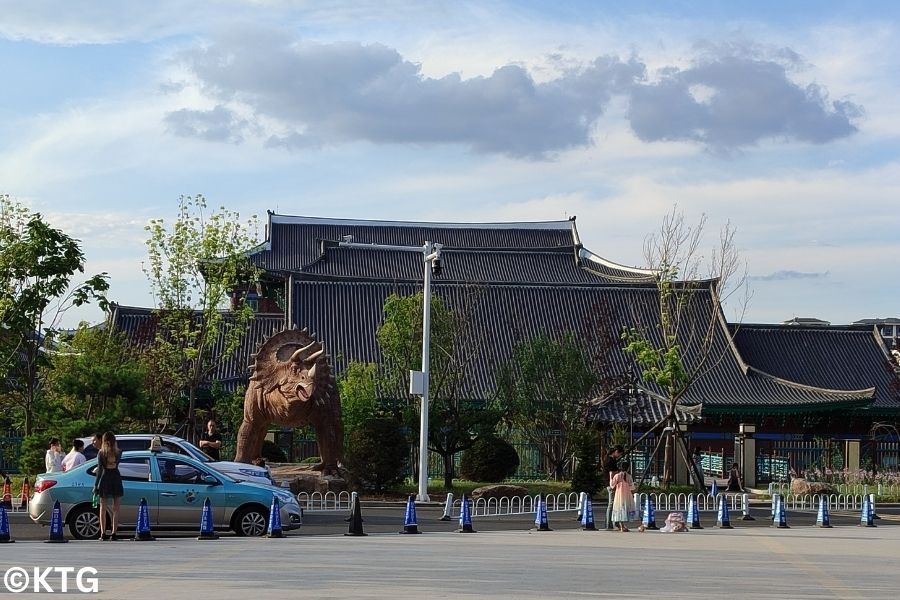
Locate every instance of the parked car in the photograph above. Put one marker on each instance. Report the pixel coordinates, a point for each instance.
(141, 441)
(175, 487)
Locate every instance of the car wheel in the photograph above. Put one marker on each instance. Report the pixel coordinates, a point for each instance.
(251, 521)
(84, 523)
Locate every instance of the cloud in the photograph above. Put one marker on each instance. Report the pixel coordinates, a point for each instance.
(726, 102)
(788, 276)
(305, 94)
(216, 125)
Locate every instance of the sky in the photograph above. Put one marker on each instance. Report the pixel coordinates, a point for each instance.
(780, 118)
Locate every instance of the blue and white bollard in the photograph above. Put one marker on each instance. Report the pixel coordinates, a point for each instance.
(823, 519)
(745, 508)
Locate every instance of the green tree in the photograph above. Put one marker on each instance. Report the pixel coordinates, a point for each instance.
(97, 383)
(37, 266)
(454, 422)
(543, 391)
(358, 388)
(194, 264)
(677, 348)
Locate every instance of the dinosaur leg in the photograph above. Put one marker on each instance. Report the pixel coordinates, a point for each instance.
(329, 437)
(251, 436)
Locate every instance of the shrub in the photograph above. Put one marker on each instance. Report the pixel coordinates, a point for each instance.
(31, 455)
(376, 455)
(586, 478)
(489, 459)
(272, 452)
(311, 460)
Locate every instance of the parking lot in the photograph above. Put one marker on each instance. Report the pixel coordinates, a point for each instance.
(503, 560)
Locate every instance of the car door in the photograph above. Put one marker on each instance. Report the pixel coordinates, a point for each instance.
(182, 492)
(138, 483)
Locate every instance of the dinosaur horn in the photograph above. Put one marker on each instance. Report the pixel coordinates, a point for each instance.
(312, 372)
(315, 357)
(295, 357)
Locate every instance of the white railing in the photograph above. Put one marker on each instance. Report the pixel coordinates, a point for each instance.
(844, 489)
(679, 502)
(810, 502)
(317, 501)
(517, 505)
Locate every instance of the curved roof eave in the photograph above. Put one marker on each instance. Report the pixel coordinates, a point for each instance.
(590, 256)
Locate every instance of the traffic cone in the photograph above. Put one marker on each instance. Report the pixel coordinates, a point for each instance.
(7, 494)
(448, 508)
(780, 520)
(745, 508)
(872, 504)
(587, 514)
(26, 493)
(865, 517)
(540, 517)
(275, 519)
(723, 521)
(206, 523)
(649, 520)
(580, 512)
(56, 526)
(142, 529)
(823, 519)
(714, 490)
(465, 516)
(409, 519)
(353, 498)
(356, 521)
(4, 527)
(694, 512)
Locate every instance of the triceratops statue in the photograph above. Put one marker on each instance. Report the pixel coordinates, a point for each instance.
(292, 385)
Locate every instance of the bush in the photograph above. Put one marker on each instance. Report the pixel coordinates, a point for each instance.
(272, 452)
(31, 456)
(586, 478)
(311, 460)
(490, 459)
(376, 455)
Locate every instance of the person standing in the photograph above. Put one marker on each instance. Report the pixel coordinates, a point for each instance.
(54, 457)
(90, 451)
(624, 510)
(108, 483)
(211, 440)
(610, 468)
(74, 457)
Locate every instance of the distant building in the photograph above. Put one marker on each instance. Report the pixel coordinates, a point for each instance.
(807, 322)
(888, 328)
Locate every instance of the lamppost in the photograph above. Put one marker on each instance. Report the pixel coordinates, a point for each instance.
(418, 380)
(632, 391)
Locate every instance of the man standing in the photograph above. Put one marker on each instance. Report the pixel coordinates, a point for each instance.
(211, 440)
(90, 451)
(610, 468)
(74, 457)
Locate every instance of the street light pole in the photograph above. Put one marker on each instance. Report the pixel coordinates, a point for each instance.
(431, 253)
(426, 353)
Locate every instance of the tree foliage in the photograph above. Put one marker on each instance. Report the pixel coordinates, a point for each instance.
(358, 388)
(544, 391)
(454, 422)
(193, 264)
(490, 459)
(376, 455)
(38, 265)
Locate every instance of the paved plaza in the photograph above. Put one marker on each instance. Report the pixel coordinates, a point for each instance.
(758, 562)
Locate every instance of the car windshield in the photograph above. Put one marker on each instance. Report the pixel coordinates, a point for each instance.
(196, 452)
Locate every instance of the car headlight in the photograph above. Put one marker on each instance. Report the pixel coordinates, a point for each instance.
(286, 498)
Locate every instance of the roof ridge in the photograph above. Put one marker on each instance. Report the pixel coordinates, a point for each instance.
(588, 255)
(564, 225)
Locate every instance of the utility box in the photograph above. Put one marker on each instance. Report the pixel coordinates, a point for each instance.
(416, 383)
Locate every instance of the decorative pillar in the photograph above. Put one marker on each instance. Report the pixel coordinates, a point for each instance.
(747, 459)
(852, 455)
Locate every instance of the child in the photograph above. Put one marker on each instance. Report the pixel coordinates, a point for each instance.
(623, 510)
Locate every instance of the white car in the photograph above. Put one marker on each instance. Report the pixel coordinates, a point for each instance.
(171, 443)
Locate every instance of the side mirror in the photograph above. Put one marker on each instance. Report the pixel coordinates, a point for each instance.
(210, 480)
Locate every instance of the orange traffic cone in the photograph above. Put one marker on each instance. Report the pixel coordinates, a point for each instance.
(7, 494)
(26, 493)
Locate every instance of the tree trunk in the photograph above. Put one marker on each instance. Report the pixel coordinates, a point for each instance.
(448, 470)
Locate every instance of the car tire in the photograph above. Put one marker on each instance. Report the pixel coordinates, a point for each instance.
(84, 523)
(251, 521)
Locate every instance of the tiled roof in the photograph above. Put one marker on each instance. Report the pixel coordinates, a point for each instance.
(836, 357)
(140, 326)
(294, 242)
(538, 266)
(648, 411)
(347, 314)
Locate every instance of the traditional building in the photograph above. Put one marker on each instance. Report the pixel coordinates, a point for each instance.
(513, 281)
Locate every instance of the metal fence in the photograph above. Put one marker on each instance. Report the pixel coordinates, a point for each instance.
(10, 451)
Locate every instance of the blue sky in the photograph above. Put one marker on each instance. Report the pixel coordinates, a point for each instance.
(781, 118)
